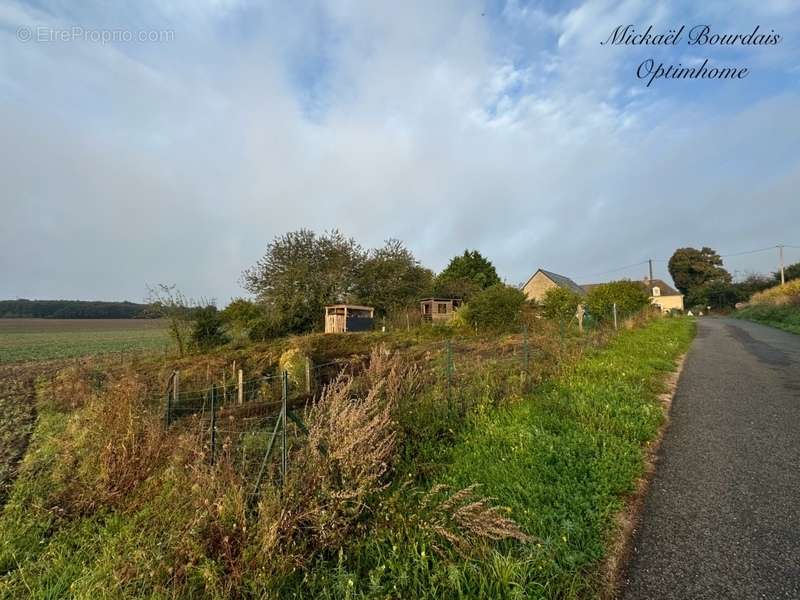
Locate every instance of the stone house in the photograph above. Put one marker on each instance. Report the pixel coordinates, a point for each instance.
(541, 281)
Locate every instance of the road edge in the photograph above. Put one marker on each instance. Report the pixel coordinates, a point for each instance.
(614, 566)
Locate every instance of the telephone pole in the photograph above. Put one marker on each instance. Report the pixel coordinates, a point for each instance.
(650, 262)
(780, 254)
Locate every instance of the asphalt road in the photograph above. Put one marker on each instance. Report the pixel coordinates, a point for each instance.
(722, 516)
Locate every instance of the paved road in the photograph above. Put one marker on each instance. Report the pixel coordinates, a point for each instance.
(722, 517)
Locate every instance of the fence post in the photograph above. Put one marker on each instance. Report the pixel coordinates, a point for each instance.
(526, 360)
(284, 394)
(449, 374)
(308, 375)
(168, 414)
(614, 308)
(175, 382)
(213, 424)
(241, 387)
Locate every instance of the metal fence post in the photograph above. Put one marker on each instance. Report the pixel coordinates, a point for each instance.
(284, 394)
(168, 415)
(449, 374)
(526, 360)
(213, 424)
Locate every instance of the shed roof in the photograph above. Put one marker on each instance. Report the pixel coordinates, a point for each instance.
(356, 306)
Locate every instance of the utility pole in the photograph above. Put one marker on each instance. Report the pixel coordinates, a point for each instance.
(780, 254)
(650, 262)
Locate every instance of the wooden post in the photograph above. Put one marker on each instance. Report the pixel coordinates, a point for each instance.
(308, 375)
(241, 388)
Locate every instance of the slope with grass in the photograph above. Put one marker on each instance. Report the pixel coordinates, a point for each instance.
(380, 502)
(778, 306)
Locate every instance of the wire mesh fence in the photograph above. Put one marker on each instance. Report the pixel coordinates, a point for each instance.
(256, 422)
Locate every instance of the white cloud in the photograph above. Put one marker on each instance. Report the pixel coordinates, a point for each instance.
(177, 163)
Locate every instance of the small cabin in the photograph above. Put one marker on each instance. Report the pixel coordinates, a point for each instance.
(341, 318)
(439, 309)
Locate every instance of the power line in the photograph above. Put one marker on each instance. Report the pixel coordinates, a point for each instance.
(664, 260)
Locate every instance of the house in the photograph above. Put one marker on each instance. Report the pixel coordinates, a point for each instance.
(541, 281)
(340, 318)
(661, 294)
(439, 309)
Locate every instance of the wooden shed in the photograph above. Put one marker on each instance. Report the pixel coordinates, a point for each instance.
(439, 309)
(340, 318)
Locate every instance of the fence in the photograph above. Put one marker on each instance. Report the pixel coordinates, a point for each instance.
(255, 423)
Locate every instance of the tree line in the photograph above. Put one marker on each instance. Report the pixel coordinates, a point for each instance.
(70, 309)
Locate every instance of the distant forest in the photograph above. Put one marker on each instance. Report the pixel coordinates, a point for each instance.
(70, 309)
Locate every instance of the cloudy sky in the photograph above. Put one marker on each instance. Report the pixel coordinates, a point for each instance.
(501, 126)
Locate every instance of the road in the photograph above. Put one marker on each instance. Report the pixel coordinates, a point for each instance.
(722, 516)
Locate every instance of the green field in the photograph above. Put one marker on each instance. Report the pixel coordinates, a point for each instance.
(43, 339)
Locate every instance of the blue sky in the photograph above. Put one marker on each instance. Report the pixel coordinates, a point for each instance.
(502, 126)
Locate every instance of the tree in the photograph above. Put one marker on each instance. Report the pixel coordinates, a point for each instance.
(752, 284)
(167, 302)
(629, 296)
(560, 304)
(391, 278)
(466, 274)
(789, 273)
(497, 308)
(240, 316)
(716, 294)
(691, 268)
(300, 273)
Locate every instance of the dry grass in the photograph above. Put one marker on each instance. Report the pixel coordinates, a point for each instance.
(115, 443)
(466, 520)
(336, 475)
(779, 295)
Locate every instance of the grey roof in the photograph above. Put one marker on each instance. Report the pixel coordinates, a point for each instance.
(666, 289)
(564, 282)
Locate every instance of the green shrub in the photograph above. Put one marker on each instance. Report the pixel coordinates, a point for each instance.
(497, 308)
(560, 304)
(628, 295)
(207, 331)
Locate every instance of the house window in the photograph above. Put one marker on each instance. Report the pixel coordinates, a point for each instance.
(426, 309)
(656, 291)
(442, 308)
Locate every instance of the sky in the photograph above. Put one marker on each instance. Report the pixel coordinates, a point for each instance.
(176, 151)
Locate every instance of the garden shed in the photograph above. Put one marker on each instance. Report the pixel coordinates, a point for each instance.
(341, 318)
(439, 309)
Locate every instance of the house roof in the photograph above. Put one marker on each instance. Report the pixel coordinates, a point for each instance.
(356, 306)
(562, 281)
(666, 289)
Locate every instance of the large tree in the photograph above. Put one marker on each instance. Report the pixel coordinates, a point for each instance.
(466, 274)
(691, 268)
(300, 273)
(391, 278)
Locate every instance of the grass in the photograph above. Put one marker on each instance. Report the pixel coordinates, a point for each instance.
(560, 460)
(785, 316)
(43, 339)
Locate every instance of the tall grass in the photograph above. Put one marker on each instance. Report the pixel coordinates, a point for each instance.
(402, 488)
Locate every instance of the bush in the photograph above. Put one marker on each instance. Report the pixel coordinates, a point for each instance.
(780, 294)
(560, 304)
(207, 329)
(497, 308)
(627, 295)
